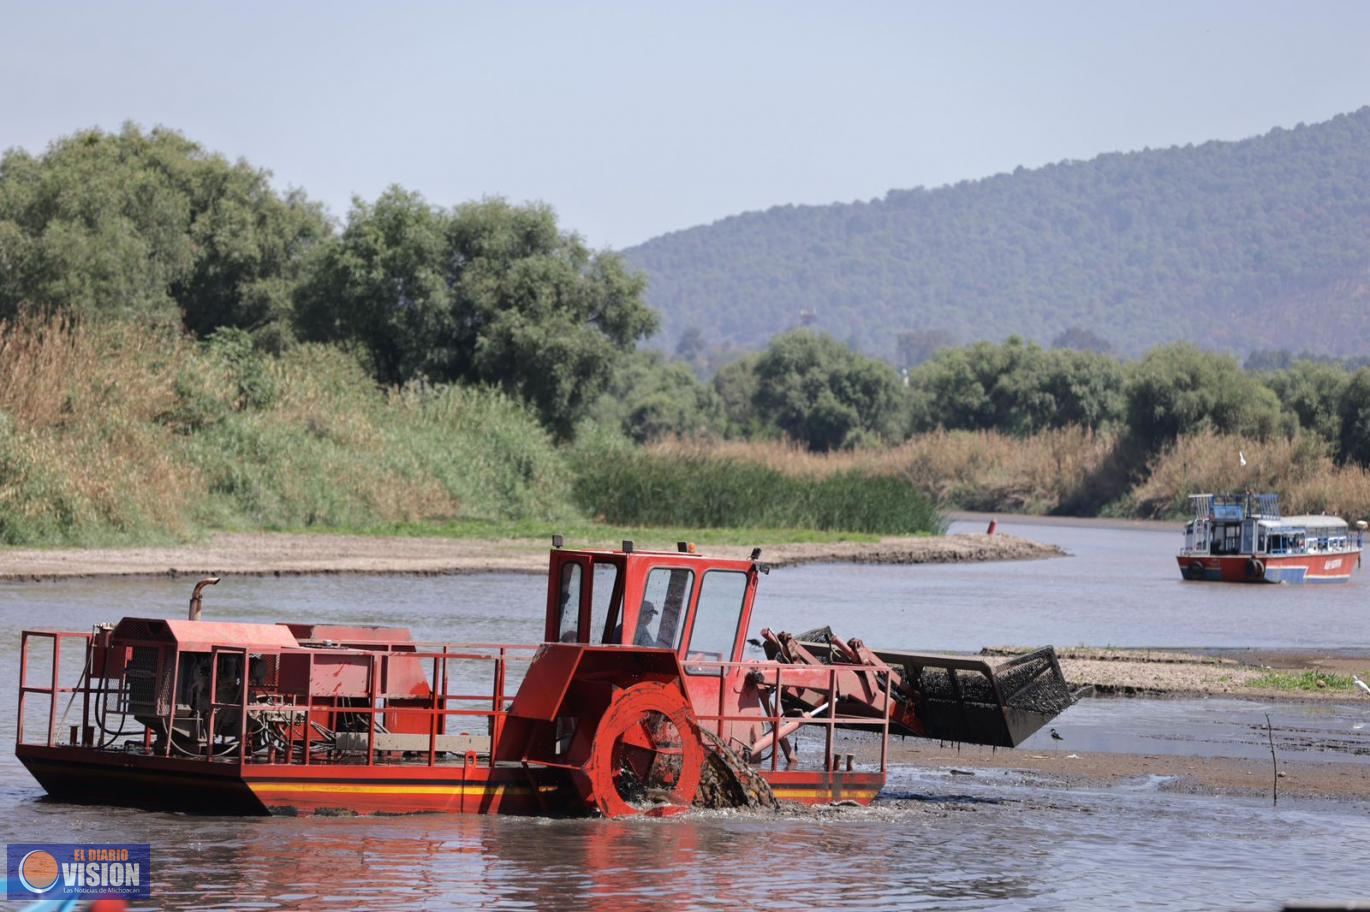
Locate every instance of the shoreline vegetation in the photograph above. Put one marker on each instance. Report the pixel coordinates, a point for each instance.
(185, 351)
(114, 434)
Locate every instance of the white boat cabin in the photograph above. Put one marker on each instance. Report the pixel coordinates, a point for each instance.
(1250, 524)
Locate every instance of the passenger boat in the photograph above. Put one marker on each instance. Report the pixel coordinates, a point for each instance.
(1242, 538)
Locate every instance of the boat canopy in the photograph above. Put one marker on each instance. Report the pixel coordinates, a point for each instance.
(1235, 507)
(1315, 522)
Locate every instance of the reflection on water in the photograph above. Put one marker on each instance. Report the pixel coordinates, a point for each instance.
(936, 843)
(994, 841)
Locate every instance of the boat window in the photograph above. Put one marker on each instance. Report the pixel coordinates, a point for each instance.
(717, 617)
(661, 616)
(606, 603)
(1227, 540)
(568, 604)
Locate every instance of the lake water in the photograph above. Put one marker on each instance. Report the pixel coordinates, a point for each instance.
(999, 840)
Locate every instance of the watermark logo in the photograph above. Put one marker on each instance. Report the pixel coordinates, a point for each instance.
(78, 871)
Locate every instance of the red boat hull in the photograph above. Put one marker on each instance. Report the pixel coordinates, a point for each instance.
(131, 780)
(1246, 568)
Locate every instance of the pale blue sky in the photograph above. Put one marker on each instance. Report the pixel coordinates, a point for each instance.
(633, 119)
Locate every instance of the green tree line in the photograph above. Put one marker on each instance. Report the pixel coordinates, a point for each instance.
(151, 226)
(816, 391)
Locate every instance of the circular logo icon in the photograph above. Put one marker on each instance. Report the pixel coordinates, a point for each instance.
(38, 871)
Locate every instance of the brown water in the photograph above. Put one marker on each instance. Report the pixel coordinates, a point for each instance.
(997, 840)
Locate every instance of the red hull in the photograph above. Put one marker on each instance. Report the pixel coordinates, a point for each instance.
(1246, 568)
(110, 777)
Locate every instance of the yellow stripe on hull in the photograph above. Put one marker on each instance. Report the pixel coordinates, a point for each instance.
(791, 794)
(796, 793)
(344, 788)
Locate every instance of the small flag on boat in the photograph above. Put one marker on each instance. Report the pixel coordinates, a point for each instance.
(1242, 457)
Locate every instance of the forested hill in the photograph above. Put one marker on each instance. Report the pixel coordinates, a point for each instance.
(1257, 244)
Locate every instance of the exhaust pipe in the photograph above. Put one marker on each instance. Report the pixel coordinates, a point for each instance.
(196, 598)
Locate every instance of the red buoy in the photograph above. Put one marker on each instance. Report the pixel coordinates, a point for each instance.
(992, 526)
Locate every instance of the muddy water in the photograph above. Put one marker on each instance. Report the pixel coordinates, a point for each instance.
(996, 840)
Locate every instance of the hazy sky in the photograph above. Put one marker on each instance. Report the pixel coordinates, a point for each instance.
(632, 119)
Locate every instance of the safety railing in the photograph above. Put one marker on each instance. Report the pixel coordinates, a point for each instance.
(52, 688)
(247, 723)
(296, 728)
(772, 679)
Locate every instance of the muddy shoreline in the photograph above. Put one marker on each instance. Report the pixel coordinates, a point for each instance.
(1204, 673)
(1295, 778)
(1118, 674)
(286, 554)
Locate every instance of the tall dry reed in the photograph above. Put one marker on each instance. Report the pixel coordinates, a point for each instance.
(80, 446)
(965, 469)
(1300, 469)
(116, 432)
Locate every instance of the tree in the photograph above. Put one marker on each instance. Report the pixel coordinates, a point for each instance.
(1354, 442)
(151, 224)
(1313, 392)
(486, 292)
(1080, 339)
(690, 345)
(649, 398)
(1269, 359)
(1018, 388)
(915, 346)
(824, 395)
(736, 384)
(1178, 389)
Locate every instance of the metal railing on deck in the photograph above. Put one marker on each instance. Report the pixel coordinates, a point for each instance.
(773, 679)
(54, 689)
(302, 719)
(271, 726)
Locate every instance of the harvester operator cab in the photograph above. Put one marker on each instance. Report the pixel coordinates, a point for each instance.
(695, 606)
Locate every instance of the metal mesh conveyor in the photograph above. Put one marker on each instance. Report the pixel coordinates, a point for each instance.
(968, 699)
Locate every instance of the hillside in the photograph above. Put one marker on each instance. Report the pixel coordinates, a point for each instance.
(1258, 244)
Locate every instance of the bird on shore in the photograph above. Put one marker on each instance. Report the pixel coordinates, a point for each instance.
(1056, 736)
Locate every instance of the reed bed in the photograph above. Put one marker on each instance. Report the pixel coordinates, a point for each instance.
(963, 469)
(1063, 470)
(80, 446)
(688, 486)
(1301, 469)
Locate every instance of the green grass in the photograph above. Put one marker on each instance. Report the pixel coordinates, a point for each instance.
(1303, 680)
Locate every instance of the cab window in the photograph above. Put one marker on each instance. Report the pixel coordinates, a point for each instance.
(606, 600)
(661, 616)
(568, 604)
(716, 619)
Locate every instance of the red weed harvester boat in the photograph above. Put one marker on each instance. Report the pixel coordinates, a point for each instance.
(638, 702)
